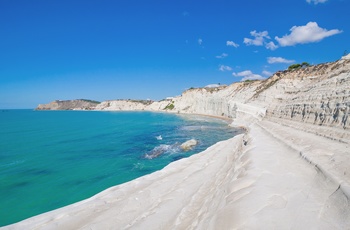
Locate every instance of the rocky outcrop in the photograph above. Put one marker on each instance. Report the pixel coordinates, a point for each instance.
(80, 104)
(188, 145)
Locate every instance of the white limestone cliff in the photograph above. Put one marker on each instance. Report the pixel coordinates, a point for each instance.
(290, 170)
(314, 99)
(122, 105)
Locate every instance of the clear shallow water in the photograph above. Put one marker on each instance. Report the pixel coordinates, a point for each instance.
(49, 159)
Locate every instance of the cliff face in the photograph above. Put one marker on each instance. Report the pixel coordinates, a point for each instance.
(124, 105)
(79, 104)
(315, 99)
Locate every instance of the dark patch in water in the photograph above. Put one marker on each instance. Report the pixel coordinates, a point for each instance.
(19, 185)
(178, 158)
(99, 178)
(145, 170)
(37, 172)
(73, 140)
(75, 155)
(73, 183)
(87, 181)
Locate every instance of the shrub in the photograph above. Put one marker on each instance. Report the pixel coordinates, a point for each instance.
(305, 64)
(294, 66)
(170, 106)
(297, 66)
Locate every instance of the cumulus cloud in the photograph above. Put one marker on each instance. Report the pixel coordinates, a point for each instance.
(259, 38)
(224, 68)
(243, 73)
(223, 55)
(271, 46)
(316, 1)
(272, 60)
(311, 32)
(200, 41)
(231, 43)
(248, 75)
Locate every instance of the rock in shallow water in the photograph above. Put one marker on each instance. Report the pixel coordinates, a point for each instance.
(188, 145)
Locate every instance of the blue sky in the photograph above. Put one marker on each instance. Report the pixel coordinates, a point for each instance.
(139, 49)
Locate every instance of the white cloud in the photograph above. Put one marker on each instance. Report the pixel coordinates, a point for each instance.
(272, 60)
(271, 46)
(200, 41)
(311, 32)
(223, 55)
(316, 1)
(231, 43)
(248, 75)
(253, 77)
(224, 68)
(266, 73)
(259, 38)
(212, 86)
(243, 73)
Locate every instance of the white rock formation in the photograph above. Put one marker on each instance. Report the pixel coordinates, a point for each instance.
(123, 105)
(290, 170)
(188, 145)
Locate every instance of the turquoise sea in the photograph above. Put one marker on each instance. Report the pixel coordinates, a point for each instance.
(49, 159)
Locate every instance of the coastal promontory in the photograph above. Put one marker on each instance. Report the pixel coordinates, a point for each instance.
(79, 104)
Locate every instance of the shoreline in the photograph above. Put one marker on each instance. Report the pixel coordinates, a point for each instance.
(77, 215)
(199, 117)
(177, 196)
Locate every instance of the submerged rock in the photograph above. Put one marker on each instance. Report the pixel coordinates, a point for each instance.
(157, 151)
